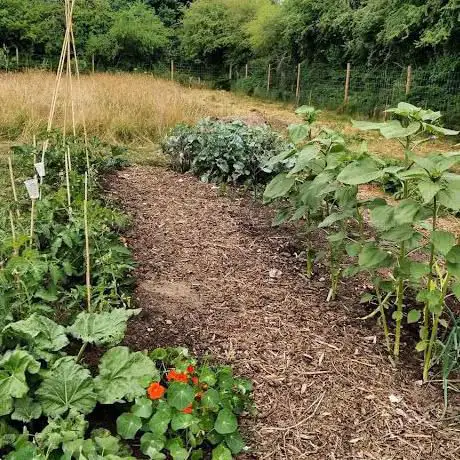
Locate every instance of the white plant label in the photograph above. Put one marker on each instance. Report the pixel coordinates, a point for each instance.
(40, 168)
(32, 188)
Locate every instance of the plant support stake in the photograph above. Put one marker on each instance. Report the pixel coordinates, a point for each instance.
(347, 84)
(87, 255)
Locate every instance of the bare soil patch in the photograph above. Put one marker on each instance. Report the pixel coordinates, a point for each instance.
(324, 387)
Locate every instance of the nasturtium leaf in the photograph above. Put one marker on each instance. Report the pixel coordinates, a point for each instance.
(102, 329)
(197, 455)
(26, 410)
(128, 425)
(360, 172)
(159, 422)
(40, 332)
(221, 453)
(105, 441)
(443, 241)
(180, 395)
(13, 367)
(151, 445)
(143, 407)
(67, 386)
(235, 442)
(176, 449)
(226, 422)
(181, 421)
(278, 187)
(414, 316)
(124, 375)
(211, 399)
(299, 133)
(158, 354)
(208, 376)
(428, 190)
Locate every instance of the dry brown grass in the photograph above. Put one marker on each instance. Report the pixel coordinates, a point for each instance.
(140, 109)
(118, 107)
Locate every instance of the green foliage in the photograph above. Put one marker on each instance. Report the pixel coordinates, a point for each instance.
(218, 151)
(197, 405)
(318, 186)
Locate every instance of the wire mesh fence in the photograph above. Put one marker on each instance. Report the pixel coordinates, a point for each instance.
(366, 91)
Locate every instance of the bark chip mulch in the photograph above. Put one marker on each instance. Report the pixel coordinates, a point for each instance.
(214, 275)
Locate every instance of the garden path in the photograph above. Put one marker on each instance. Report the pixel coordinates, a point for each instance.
(214, 275)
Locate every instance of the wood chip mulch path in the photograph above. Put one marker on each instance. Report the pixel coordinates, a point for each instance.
(324, 387)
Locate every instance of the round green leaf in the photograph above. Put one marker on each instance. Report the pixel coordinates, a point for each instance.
(143, 408)
(413, 316)
(181, 421)
(235, 442)
(360, 172)
(221, 453)
(128, 425)
(210, 400)
(180, 395)
(152, 445)
(226, 422)
(159, 422)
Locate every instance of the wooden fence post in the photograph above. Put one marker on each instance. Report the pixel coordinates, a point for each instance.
(230, 72)
(246, 71)
(17, 56)
(92, 63)
(297, 92)
(347, 84)
(408, 79)
(269, 77)
(172, 70)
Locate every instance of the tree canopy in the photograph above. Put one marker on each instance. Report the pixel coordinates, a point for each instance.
(127, 33)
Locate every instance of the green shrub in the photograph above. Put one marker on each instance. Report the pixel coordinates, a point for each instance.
(219, 151)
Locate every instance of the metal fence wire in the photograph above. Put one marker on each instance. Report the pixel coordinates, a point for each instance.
(369, 91)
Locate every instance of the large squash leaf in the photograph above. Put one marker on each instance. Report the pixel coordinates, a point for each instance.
(13, 384)
(40, 332)
(67, 386)
(107, 328)
(124, 376)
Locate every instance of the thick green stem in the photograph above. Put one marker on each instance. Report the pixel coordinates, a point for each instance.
(400, 302)
(426, 312)
(434, 332)
(383, 318)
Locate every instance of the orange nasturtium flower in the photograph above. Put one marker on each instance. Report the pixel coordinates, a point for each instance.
(188, 409)
(177, 376)
(156, 391)
(195, 380)
(191, 370)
